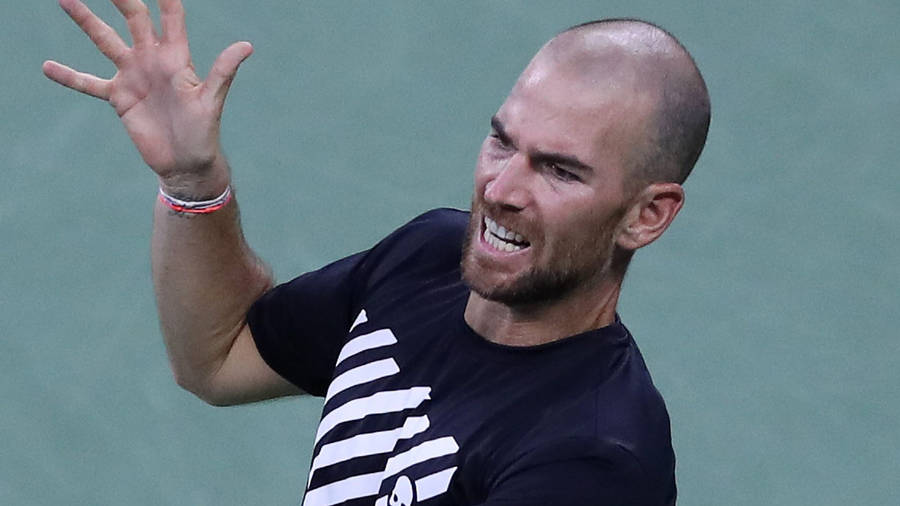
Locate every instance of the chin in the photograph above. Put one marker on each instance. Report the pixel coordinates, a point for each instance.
(532, 286)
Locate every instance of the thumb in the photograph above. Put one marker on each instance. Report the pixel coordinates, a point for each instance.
(224, 69)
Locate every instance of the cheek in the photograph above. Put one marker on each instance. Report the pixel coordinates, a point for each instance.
(577, 227)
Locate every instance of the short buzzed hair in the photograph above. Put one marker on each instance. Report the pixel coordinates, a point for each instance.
(677, 131)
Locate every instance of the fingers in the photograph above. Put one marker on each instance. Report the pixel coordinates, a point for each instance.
(105, 38)
(78, 81)
(171, 14)
(137, 15)
(225, 67)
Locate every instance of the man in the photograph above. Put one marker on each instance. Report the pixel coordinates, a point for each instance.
(467, 358)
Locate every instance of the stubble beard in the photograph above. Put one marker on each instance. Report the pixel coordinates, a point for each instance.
(540, 285)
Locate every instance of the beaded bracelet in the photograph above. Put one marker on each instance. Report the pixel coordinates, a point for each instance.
(198, 207)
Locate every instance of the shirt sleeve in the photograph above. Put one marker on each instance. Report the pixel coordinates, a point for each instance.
(298, 326)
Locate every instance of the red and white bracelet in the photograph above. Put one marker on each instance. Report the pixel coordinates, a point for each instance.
(196, 207)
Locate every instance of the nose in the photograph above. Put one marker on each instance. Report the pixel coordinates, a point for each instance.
(509, 186)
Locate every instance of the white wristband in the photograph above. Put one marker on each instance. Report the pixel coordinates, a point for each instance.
(195, 207)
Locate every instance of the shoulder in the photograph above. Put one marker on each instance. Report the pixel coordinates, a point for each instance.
(630, 407)
(435, 228)
(432, 240)
(632, 413)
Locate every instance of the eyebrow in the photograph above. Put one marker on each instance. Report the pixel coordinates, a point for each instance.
(501, 132)
(569, 161)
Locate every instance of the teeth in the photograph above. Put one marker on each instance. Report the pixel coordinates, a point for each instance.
(491, 224)
(499, 237)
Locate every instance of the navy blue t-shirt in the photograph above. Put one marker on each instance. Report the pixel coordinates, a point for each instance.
(419, 409)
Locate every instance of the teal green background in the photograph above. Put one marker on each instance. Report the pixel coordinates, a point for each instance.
(768, 313)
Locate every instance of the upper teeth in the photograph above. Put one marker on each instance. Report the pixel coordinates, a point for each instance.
(499, 237)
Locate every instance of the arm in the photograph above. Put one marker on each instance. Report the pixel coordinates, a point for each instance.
(205, 278)
(205, 275)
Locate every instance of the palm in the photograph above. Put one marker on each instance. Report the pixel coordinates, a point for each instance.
(170, 114)
(159, 99)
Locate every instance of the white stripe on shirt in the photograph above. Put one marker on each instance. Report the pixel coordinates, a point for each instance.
(363, 445)
(381, 402)
(362, 374)
(377, 339)
(420, 453)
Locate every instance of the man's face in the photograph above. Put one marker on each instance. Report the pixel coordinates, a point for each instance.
(549, 188)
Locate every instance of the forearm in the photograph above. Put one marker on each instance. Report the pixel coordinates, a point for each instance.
(205, 275)
(205, 278)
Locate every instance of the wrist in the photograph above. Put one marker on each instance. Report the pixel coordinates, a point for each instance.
(198, 185)
(195, 206)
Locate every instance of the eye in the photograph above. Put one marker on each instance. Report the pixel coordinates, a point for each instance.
(561, 173)
(500, 141)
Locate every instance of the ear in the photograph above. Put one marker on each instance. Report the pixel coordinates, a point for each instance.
(650, 214)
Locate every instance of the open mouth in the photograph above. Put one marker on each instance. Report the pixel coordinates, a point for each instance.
(503, 239)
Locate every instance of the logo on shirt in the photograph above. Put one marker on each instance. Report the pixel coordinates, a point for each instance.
(402, 495)
(406, 490)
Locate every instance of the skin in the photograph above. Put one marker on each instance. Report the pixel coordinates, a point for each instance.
(555, 169)
(206, 276)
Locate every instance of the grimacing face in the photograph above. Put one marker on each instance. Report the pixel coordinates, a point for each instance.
(549, 193)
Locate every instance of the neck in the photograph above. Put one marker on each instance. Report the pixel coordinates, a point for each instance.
(540, 323)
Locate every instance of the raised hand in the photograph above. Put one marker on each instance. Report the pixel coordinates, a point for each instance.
(170, 114)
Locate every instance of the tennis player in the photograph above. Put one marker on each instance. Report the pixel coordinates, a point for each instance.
(470, 357)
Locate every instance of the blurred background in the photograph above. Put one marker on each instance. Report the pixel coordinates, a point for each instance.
(768, 314)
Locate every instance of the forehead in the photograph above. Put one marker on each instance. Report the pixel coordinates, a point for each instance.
(594, 118)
